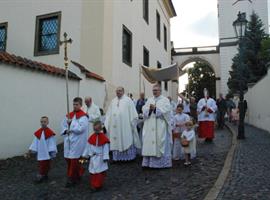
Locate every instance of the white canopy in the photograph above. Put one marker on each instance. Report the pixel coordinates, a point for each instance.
(154, 74)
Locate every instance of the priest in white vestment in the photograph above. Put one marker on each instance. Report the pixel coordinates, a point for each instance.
(157, 137)
(93, 112)
(121, 121)
(206, 109)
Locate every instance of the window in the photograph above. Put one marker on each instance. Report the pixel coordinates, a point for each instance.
(146, 10)
(127, 46)
(159, 66)
(3, 36)
(47, 34)
(165, 37)
(166, 85)
(158, 25)
(145, 57)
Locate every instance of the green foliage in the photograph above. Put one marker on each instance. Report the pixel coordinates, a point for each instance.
(199, 77)
(255, 56)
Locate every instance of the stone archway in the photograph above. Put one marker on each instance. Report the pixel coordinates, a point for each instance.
(213, 63)
(212, 58)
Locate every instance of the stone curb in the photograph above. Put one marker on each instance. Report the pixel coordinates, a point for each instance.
(215, 190)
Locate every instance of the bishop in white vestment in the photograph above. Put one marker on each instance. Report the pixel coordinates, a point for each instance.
(93, 112)
(121, 121)
(157, 137)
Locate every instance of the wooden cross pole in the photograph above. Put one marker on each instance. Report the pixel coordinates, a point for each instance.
(65, 43)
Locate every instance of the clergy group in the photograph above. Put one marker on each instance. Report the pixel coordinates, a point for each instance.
(149, 128)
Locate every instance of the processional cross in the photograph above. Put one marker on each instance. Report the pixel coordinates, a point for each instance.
(65, 43)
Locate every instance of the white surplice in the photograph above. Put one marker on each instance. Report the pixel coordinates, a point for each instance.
(75, 142)
(191, 137)
(121, 124)
(157, 127)
(211, 104)
(93, 113)
(97, 156)
(45, 148)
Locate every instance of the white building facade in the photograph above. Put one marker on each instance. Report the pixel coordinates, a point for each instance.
(111, 39)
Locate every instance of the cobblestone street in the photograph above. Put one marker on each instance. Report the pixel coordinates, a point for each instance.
(249, 176)
(124, 180)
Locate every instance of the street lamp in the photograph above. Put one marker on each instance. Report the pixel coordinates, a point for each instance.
(240, 25)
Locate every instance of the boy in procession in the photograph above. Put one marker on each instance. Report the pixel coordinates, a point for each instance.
(188, 141)
(97, 149)
(44, 146)
(75, 131)
(179, 121)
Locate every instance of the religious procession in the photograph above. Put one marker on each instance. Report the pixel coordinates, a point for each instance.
(156, 129)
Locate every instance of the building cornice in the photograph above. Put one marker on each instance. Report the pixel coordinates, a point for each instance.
(169, 8)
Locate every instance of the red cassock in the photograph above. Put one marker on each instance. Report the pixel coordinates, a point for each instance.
(75, 169)
(96, 180)
(206, 128)
(44, 165)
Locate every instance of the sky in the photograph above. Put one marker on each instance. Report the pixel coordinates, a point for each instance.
(194, 25)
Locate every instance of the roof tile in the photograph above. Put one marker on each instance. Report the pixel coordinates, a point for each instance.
(12, 59)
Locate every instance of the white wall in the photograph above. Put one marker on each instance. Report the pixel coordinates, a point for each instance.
(228, 13)
(93, 88)
(258, 104)
(226, 55)
(130, 13)
(25, 97)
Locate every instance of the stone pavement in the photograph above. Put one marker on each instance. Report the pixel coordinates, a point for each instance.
(249, 177)
(124, 180)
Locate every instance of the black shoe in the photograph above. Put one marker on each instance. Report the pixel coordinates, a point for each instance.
(40, 179)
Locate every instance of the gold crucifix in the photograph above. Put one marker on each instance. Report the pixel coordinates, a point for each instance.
(65, 42)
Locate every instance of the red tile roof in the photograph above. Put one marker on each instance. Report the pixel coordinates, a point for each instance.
(18, 61)
(87, 72)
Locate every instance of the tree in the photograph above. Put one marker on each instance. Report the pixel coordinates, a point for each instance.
(199, 77)
(255, 56)
(254, 37)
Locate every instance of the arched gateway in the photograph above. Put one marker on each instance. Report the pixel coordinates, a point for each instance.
(209, 55)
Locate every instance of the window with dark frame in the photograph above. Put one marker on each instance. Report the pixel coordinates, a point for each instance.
(127, 46)
(146, 10)
(158, 25)
(159, 66)
(165, 37)
(166, 85)
(3, 36)
(47, 34)
(145, 56)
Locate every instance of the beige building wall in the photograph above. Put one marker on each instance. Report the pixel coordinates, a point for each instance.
(24, 100)
(257, 97)
(130, 14)
(96, 30)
